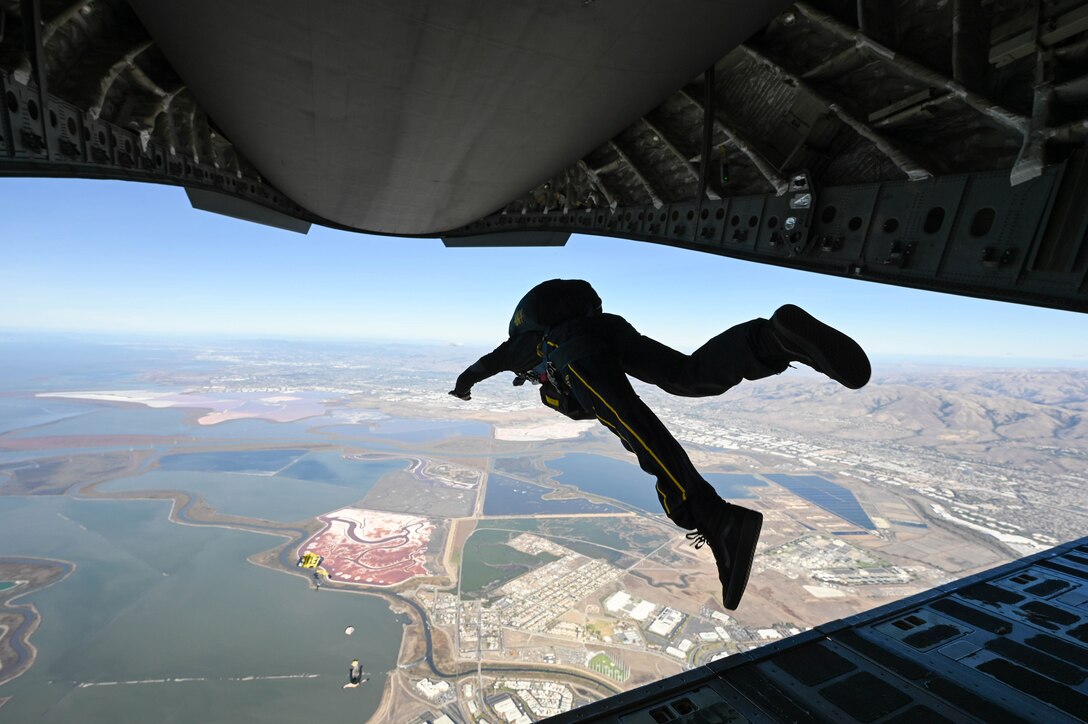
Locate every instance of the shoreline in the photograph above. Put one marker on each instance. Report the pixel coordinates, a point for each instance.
(17, 635)
(182, 505)
(192, 509)
(217, 409)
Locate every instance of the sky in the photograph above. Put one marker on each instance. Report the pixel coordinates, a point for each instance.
(129, 258)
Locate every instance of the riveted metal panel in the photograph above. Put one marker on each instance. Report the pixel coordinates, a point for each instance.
(841, 219)
(656, 222)
(599, 218)
(995, 228)
(616, 219)
(572, 218)
(126, 148)
(65, 129)
(631, 219)
(154, 158)
(506, 220)
(488, 225)
(538, 220)
(586, 218)
(771, 226)
(60, 139)
(711, 702)
(682, 221)
(651, 219)
(713, 218)
(1060, 260)
(204, 173)
(897, 232)
(912, 223)
(98, 137)
(1061, 248)
(24, 117)
(745, 215)
(889, 243)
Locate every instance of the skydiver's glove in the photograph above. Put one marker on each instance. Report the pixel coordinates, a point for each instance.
(519, 381)
(462, 394)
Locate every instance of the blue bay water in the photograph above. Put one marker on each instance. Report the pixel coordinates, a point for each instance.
(332, 483)
(16, 456)
(734, 486)
(628, 483)
(59, 417)
(98, 419)
(332, 468)
(20, 412)
(152, 600)
(234, 461)
(506, 496)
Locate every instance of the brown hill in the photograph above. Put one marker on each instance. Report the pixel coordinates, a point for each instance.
(1000, 416)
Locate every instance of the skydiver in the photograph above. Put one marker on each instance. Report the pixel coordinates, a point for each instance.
(582, 356)
(355, 674)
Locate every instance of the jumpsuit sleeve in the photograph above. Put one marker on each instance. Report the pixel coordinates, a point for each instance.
(516, 354)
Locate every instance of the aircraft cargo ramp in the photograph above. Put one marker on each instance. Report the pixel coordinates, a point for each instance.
(1006, 645)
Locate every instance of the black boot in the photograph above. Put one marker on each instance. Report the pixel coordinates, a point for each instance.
(800, 337)
(731, 532)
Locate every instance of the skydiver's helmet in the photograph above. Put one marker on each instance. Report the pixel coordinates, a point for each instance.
(554, 302)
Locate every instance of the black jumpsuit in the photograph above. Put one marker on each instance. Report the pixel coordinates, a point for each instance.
(609, 349)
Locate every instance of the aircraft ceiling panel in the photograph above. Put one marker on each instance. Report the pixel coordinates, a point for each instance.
(417, 117)
(683, 124)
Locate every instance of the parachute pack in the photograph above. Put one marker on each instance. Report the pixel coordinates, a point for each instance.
(564, 402)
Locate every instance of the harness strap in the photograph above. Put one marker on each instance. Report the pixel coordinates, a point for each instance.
(559, 357)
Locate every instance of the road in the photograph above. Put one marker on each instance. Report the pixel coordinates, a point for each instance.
(495, 668)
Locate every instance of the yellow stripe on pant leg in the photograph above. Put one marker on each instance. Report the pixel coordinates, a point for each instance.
(683, 493)
(660, 493)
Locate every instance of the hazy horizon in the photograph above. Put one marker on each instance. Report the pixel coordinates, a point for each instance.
(166, 339)
(131, 258)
